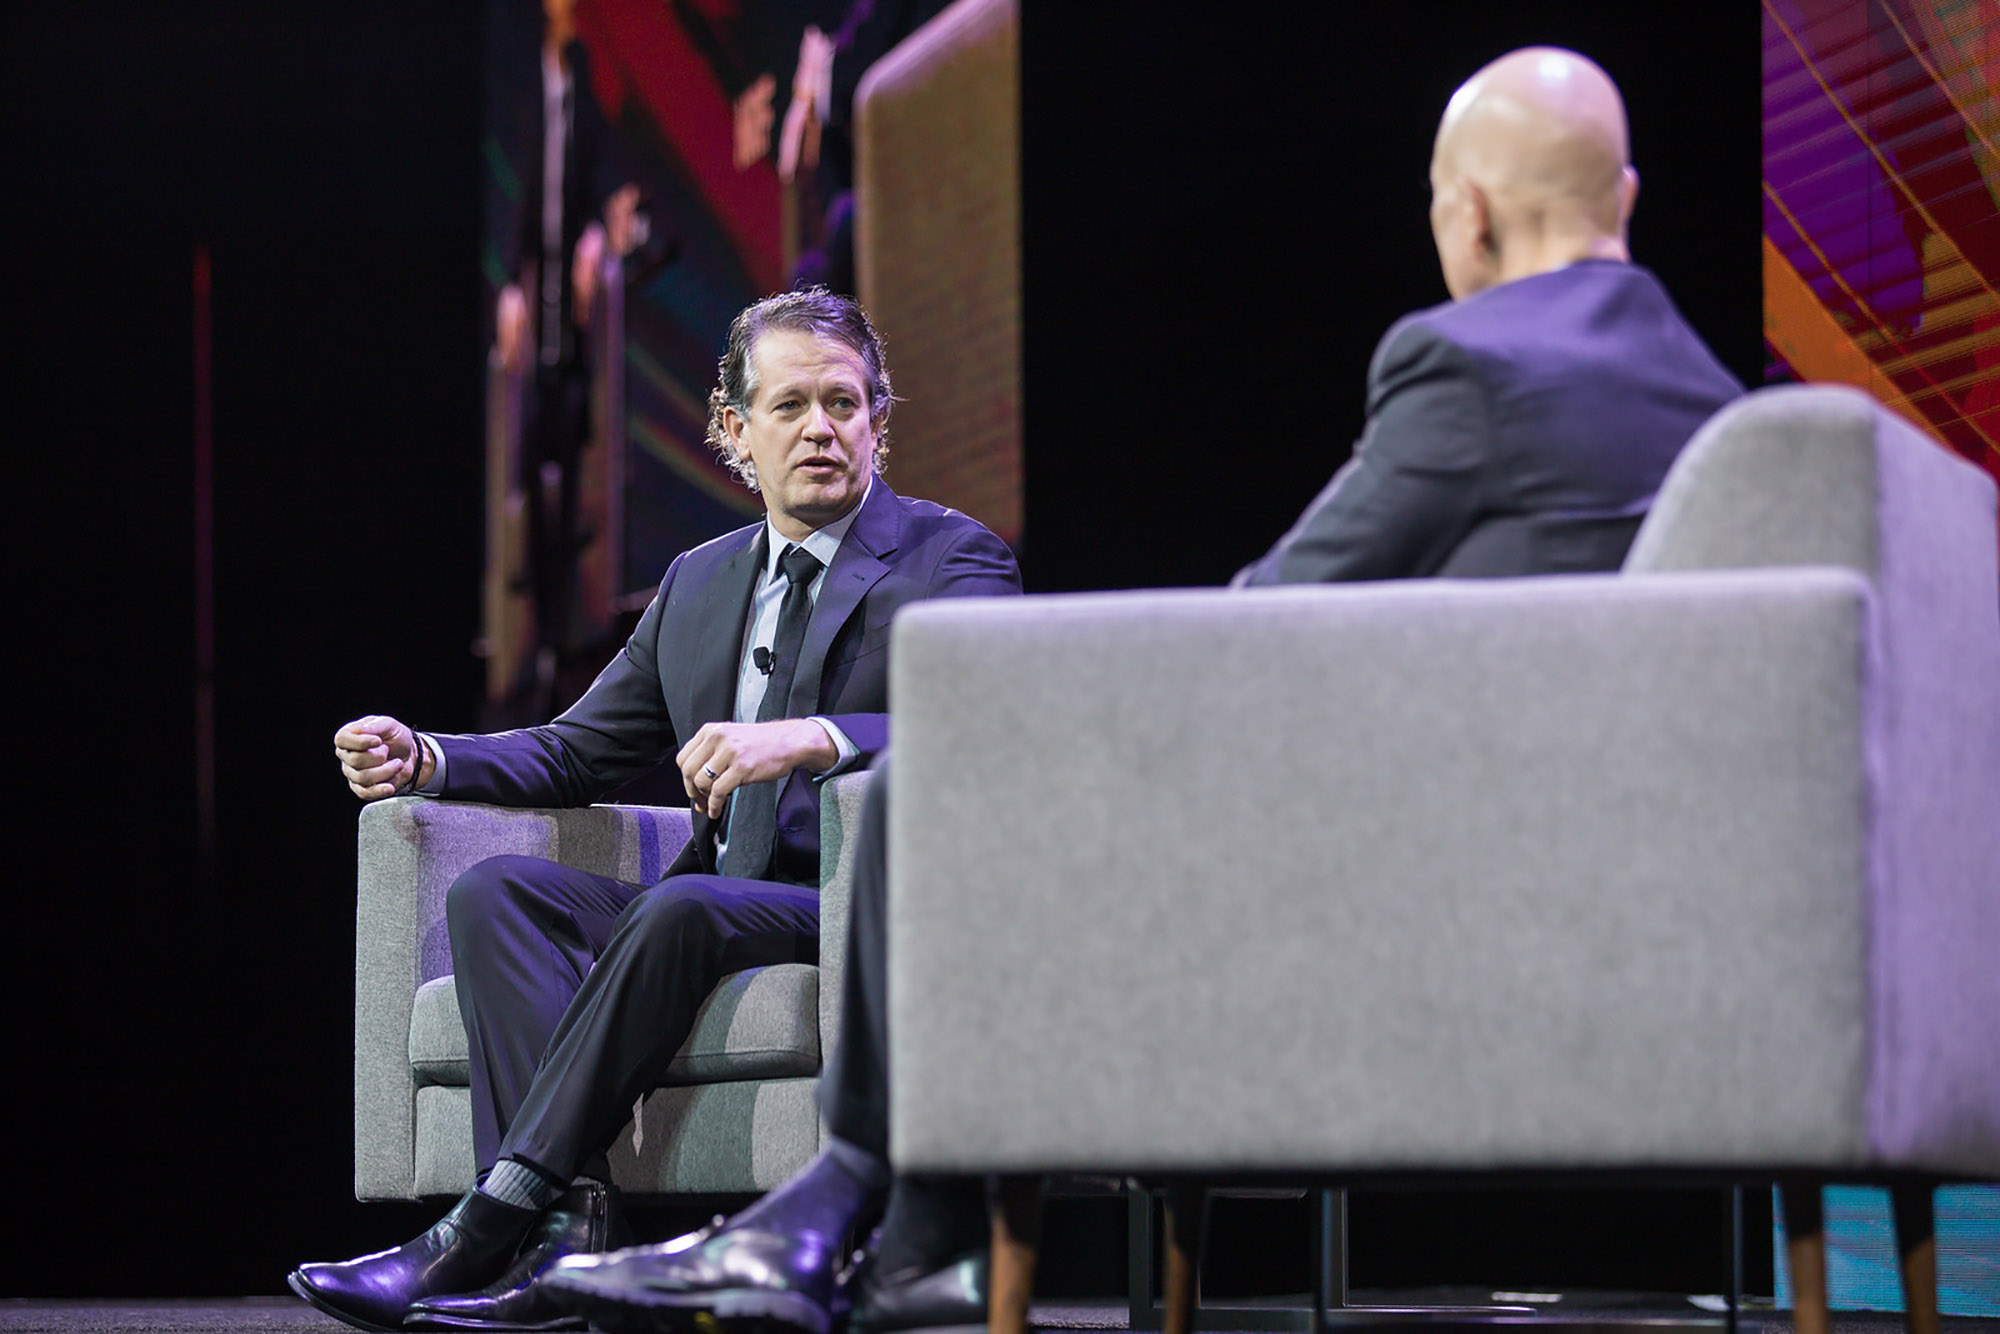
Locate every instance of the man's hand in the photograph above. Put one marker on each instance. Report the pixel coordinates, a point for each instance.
(379, 756)
(722, 757)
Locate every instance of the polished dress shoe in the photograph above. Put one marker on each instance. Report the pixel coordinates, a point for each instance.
(746, 1280)
(463, 1250)
(952, 1295)
(584, 1219)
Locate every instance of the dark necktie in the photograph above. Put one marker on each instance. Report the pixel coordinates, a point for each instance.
(753, 811)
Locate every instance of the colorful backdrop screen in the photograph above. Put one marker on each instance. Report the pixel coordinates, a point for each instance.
(1881, 236)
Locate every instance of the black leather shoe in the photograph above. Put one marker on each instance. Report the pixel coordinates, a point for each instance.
(463, 1250)
(950, 1296)
(744, 1280)
(583, 1220)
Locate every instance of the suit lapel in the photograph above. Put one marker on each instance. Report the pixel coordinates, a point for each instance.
(718, 657)
(857, 567)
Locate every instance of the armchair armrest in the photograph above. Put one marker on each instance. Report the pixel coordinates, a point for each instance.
(411, 849)
(839, 826)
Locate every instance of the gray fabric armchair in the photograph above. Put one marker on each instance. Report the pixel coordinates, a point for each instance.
(1692, 868)
(737, 1112)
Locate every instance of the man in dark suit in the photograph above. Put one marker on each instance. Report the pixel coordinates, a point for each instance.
(761, 667)
(1521, 429)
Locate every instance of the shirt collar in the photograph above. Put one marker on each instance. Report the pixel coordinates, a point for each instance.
(823, 543)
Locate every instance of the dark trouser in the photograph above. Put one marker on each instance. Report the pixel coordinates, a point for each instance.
(577, 990)
(854, 1087)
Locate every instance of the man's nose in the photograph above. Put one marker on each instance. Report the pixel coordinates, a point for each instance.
(819, 426)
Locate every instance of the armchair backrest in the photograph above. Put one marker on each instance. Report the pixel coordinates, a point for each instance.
(1782, 476)
(1824, 475)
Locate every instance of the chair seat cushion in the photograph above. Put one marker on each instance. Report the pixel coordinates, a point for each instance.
(761, 1023)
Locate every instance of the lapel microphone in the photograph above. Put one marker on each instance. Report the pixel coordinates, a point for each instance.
(761, 656)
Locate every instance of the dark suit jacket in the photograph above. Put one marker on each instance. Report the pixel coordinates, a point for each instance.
(1523, 430)
(678, 671)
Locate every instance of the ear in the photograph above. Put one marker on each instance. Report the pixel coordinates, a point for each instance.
(733, 423)
(1628, 195)
(1479, 214)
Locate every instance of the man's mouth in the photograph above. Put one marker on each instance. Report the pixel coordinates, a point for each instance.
(819, 463)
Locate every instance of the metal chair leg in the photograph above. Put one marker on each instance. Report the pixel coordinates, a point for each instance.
(1139, 1256)
(1732, 1224)
(1329, 1255)
(1916, 1243)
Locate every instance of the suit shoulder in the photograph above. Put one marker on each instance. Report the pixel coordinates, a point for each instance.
(1523, 312)
(1420, 344)
(1514, 327)
(1478, 323)
(929, 517)
(693, 567)
(723, 547)
(951, 551)
(1432, 322)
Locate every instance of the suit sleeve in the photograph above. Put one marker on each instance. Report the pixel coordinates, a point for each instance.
(618, 730)
(974, 564)
(1414, 484)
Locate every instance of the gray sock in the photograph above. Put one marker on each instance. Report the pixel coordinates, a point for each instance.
(520, 1184)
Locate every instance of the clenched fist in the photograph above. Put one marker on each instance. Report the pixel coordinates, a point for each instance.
(378, 756)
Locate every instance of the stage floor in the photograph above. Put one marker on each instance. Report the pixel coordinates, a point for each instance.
(281, 1315)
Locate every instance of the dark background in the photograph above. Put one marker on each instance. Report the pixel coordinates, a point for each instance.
(1225, 206)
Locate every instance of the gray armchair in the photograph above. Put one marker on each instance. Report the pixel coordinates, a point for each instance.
(1689, 869)
(737, 1111)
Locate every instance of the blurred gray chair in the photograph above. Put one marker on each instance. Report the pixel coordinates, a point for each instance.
(736, 1112)
(1692, 869)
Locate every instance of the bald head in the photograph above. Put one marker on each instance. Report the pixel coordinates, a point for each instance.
(1531, 170)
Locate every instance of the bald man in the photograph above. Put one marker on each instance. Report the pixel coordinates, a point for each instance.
(1524, 426)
